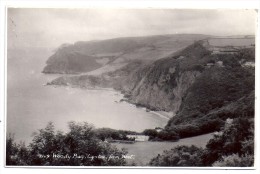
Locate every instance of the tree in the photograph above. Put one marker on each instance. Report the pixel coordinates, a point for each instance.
(235, 160)
(44, 144)
(16, 154)
(11, 151)
(152, 133)
(168, 135)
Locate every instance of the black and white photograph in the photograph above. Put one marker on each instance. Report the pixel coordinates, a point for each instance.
(130, 87)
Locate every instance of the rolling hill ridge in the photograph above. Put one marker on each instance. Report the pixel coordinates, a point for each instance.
(112, 54)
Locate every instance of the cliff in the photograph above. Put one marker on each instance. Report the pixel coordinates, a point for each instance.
(162, 84)
(64, 62)
(202, 89)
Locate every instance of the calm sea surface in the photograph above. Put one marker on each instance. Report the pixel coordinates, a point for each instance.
(31, 105)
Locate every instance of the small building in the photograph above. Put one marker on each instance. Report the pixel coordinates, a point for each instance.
(139, 137)
(158, 129)
(224, 50)
(219, 63)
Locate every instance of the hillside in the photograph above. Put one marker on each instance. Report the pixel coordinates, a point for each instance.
(71, 62)
(202, 84)
(203, 89)
(112, 54)
(161, 85)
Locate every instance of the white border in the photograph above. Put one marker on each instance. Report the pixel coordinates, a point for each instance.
(197, 4)
(210, 4)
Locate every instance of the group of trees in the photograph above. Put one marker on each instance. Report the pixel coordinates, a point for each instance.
(200, 127)
(162, 135)
(78, 147)
(82, 145)
(179, 156)
(233, 146)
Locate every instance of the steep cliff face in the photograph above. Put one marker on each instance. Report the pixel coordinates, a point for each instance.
(162, 84)
(156, 98)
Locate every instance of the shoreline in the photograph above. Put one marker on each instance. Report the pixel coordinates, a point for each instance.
(162, 114)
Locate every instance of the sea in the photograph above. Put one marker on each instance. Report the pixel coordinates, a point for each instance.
(30, 104)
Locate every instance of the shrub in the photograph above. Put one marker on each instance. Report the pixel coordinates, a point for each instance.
(235, 138)
(235, 160)
(168, 135)
(179, 156)
(152, 133)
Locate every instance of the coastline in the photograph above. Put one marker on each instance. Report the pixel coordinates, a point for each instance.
(163, 114)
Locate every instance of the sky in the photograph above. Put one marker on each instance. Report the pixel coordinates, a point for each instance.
(40, 27)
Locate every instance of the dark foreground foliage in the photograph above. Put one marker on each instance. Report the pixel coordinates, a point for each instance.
(179, 156)
(233, 146)
(78, 147)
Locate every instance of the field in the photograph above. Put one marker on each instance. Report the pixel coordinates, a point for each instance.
(144, 151)
(221, 42)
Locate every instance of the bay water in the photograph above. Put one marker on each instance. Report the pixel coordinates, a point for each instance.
(30, 105)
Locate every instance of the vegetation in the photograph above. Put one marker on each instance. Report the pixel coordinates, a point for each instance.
(179, 156)
(235, 160)
(233, 146)
(161, 135)
(78, 147)
(217, 94)
(237, 139)
(197, 124)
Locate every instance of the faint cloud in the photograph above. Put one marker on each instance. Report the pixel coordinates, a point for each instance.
(52, 27)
